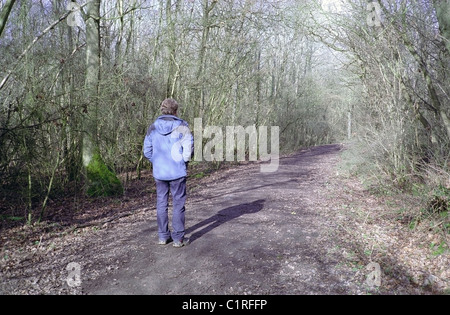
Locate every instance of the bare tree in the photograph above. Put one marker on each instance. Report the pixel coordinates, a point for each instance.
(443, 15)
(100, 180)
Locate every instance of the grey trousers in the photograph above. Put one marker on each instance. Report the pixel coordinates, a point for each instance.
(178, 191)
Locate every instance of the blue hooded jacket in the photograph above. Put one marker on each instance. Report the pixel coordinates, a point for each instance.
(169, 145)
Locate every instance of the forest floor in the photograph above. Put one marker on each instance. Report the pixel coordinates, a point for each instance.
(306, 229)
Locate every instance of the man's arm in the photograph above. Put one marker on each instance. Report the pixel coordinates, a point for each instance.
(188, 145)
(148, 146)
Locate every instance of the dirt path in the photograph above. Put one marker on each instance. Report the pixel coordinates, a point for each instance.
(251, 233)
(306, 229)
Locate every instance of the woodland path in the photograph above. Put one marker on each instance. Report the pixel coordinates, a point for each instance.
(306, 229)
(251, 233)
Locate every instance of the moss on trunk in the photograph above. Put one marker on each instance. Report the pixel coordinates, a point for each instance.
(101, 180)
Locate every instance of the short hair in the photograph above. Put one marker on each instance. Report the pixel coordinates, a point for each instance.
(169, 107)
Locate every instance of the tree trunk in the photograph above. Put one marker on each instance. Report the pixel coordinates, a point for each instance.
(118, 46)
(443, 14)
(101, 181)
(5, 14)
(171, 17)
(207, 9)
(90, 140)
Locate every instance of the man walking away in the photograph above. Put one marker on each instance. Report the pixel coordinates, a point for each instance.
(168, 145)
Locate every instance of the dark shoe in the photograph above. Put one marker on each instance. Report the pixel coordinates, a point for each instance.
(182, 243)
(165, 242)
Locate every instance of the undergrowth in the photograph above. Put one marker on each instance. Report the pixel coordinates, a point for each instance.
(426, 193)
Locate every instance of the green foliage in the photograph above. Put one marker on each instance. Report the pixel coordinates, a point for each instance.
(102, 182)
(438, 249)
(199, 175)
(11, 218)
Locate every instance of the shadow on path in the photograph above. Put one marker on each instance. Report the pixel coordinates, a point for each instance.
(224, 216)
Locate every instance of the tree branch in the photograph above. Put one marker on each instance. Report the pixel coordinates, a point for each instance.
(5, 14)
(24, 53)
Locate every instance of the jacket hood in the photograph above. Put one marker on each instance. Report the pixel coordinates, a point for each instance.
(166, 124)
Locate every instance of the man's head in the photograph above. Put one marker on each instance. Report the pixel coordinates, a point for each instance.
(169, 107)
